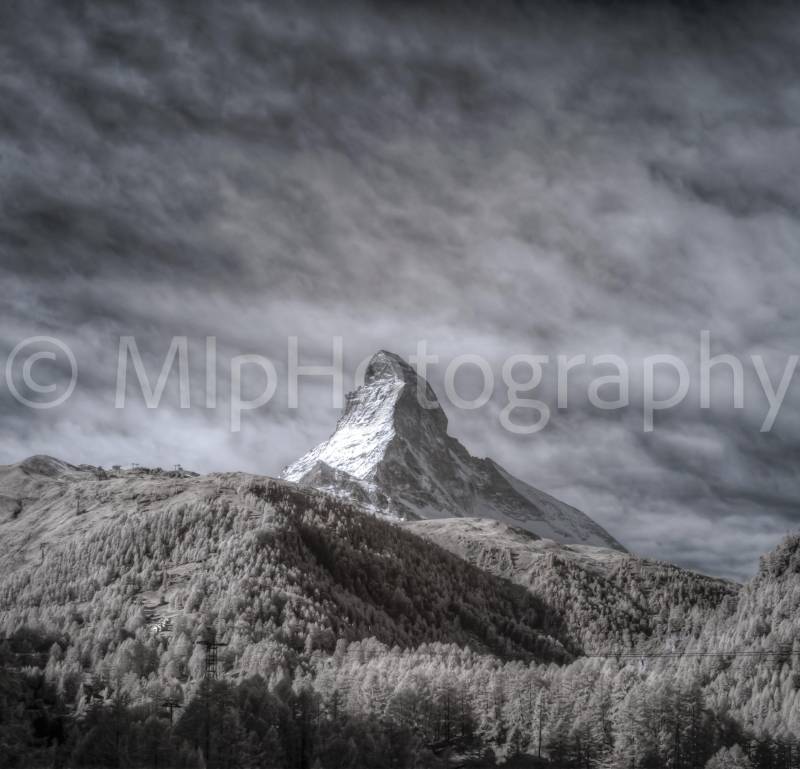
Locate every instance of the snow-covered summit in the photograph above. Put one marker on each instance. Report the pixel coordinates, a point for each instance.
(391, 453)
(366, 426)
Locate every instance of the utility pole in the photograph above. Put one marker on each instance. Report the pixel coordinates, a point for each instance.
(170, 704)
(541, 715)
(529, 714)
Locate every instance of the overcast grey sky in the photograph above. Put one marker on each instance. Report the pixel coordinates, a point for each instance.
(495, 178)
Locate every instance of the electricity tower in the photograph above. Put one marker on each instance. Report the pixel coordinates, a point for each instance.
(209, 643)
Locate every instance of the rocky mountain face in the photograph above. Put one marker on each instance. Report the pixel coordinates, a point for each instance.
(391, 453)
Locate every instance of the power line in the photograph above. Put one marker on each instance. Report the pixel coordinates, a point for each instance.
(629, 654)
(23, 654)
(680, 655)
(211, 666)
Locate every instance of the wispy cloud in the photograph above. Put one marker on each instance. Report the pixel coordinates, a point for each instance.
(494, 178)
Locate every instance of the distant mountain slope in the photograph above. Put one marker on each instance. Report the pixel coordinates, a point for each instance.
(393, 455)
(44, 501)
(609, 599)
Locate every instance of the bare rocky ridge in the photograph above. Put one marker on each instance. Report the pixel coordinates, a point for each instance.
(392, 455)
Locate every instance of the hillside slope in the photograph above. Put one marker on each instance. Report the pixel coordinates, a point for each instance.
(45, 501)
(609, 599)
(275, 569)
(761, 686)
(440, 627)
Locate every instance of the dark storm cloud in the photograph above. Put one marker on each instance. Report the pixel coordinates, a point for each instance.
(495, 178)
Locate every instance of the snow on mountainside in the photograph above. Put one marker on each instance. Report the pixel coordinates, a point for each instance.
(392, 455)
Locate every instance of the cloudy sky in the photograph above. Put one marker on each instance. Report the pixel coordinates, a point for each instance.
(495, 178)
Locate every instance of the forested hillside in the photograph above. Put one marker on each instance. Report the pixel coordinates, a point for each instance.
(350, 641)
(273, 568)
(762, 692)
(609, 599)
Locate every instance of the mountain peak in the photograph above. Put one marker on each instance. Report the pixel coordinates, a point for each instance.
(386, 368)
(43, 464)
(389, 365)
(391, 453)
(366, 426)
